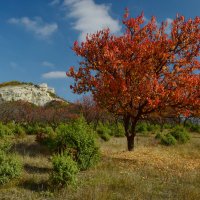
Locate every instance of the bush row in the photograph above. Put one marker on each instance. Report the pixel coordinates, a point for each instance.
(177, 135)
(106, 130)
(144, 127)
(193, 127)
(11, 129)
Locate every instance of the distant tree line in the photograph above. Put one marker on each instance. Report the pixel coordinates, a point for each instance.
(24, 112)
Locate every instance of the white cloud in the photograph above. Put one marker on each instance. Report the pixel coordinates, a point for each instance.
(90, 17)
(37, 26)
(47, 64)
(54, 75)
(169, 24)
(169, 21)
(146, 20)
(54, 2)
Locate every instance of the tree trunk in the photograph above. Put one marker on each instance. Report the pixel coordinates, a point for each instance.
(185, 121)
(129, 125)
(130, 142)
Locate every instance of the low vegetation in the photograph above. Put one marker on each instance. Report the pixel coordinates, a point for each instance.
(10, 164)
(15, 83)
(107, 130)
(64, 170)
(178, 134)
(148, 172)
(77, 139)
(59, 160)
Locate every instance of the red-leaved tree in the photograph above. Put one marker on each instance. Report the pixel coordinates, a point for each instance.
(142, 71)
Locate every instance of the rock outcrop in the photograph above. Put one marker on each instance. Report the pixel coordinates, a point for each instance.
(36, 94)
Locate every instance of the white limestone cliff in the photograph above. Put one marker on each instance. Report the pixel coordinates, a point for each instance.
(36, 94)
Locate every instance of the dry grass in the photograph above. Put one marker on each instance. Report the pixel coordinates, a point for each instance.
(150, 172)
(182, 157)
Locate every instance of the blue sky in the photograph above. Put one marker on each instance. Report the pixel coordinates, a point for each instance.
(36, 36)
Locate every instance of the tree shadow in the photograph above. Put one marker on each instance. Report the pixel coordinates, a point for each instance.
(34, 169)
(34, 186)
(33, 149)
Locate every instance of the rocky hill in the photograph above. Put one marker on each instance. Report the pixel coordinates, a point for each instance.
(28, 92)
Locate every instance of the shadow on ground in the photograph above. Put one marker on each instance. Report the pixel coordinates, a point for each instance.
(34, 169)
(34, 186)
(33, 149)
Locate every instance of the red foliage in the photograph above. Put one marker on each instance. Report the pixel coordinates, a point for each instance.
(54, 112)
(142, 71)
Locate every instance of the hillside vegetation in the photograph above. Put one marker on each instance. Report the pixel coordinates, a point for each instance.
(15, 83)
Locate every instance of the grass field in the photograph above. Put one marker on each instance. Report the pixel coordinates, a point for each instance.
(152, 172)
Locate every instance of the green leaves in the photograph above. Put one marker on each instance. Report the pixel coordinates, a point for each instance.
(65, 170)
(10, 167)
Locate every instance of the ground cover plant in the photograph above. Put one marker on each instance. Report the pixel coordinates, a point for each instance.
(148, 172)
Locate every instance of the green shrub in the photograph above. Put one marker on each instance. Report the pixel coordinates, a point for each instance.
(78, 139)
(104, 131)
(5, 145)
(180, 134)
(117, 130)
(32, 129)
(168, 140)
(167, 126)
(11, 125)
(150, 127)
(5, 131)
(188, 124)
(158, 135)
(10, 167)
(156, 127)
(16, 129)
(29, 129)
(153, 127)
(195, 128)
(192, 126)
(141, 127)
(46, 136)
(65, 170)
(19, 130)
(105, 136)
